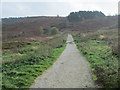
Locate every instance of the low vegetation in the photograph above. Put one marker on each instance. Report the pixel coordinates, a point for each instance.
(29, 26)
(101, 50)
(24, 61)
(27, 52)
(48, 31)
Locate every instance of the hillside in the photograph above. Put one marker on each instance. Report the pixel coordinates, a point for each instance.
(31, 26)
(31, 45)
(94, 24)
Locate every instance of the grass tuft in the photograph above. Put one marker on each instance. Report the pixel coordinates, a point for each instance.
(100, 54)
(21, 72)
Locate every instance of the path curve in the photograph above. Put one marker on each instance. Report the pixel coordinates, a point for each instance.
(71, 70)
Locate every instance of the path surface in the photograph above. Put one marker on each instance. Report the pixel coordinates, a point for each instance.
(71, 70)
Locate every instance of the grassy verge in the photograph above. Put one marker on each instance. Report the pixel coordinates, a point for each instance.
(102, 56)
(21, 73)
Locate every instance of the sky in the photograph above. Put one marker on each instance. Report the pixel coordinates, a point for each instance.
(23, 8)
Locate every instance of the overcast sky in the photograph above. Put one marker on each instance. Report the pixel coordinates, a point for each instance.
(20, 8)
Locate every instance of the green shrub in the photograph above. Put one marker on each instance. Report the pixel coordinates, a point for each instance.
(54, 30)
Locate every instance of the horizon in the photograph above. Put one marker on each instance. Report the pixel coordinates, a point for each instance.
(43, 16)
(49, 16)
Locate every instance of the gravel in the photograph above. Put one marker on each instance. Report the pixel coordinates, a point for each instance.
(71, 70)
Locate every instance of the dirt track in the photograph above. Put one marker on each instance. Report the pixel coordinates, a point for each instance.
(71, 70)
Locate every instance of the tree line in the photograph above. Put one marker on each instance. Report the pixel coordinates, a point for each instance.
(82, 15)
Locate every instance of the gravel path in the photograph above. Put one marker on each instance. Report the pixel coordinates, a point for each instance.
(71, 70)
